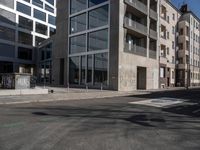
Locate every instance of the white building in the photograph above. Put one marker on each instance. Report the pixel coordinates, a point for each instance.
(23, 25)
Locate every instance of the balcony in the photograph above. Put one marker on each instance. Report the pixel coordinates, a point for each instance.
(133, 25)
(153, 34)
(153, 14)
(152, 54)
(135, 49)
(137, 5)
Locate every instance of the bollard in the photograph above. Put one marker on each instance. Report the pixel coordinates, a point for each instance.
(68, 87)
(86, 88)
(101, 87)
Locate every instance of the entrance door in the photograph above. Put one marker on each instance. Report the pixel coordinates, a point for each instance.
(141, 78)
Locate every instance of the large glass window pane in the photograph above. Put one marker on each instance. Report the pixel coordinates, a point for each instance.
(24, 53)
(48, 8)
(23, 8)
(50, 2)
(52, 20)
(7, 50)
(39, 15)
(83, 69)
(40, 28)
(78, 5)
(38, 40)
(89, 69)
(98, 40)
(101, 68)
(96, 2)
(74, 70)
(7, 34)
(78, 23)
(52, 31)
(78, 44)
(98, 17)
(7, 17)
(25, 38)
(25, 23)
(38, 3)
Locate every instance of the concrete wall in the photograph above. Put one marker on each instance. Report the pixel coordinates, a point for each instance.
(128, 63)
(61, 43)
(114, 44)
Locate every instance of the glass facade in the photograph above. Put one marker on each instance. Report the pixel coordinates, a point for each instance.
(98, 40)
(98, 17)
(25, 23)
(78, 23)
(89, 66)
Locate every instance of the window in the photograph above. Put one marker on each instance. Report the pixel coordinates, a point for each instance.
(50, 2)
(38, 40)
(7, 50)
(173, 45)
(25, 23)
(95, 2)
(162, 72)
(48, 8)
(173, 30)
(23, 8)
(98, 40)
(74, 70)
(100, 68)
(7, 34)
(98, 17)
(52, 20)
(181, 31)
(173, 16)
(25, 38)
(39, 15)
(78, 44)
(78, 23)
(52, 31)
(38, 3)
(78, 5)
(24, 53)
(40, 28)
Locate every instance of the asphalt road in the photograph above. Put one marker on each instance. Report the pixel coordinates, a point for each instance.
(103, 124)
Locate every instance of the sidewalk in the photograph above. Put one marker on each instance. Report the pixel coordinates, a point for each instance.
(60, 94)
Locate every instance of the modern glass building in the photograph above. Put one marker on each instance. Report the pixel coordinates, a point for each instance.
(24, 24)
(109, 43)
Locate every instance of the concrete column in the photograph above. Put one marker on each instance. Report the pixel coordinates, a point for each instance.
(148, 26)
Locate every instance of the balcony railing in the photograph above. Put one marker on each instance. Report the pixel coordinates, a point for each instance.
(138, 5)
(152, 54)
(129, 23)
(153, 14)
(135, 49)
(153, 34)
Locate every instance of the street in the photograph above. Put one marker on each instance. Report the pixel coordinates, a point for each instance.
(103, 124)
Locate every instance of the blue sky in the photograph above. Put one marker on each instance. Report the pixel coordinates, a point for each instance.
(194, 5)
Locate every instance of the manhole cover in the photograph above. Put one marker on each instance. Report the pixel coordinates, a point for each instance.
(159, 102)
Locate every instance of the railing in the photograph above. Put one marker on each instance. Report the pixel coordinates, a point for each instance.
(138, 50)
(153, 14)
(152, 54)
(135, 25)
(138, 5)
(153, 34)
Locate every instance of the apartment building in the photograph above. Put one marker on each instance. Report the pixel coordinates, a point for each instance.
(109, 43)
(24, 24)
(169, 17)
(188, 68)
